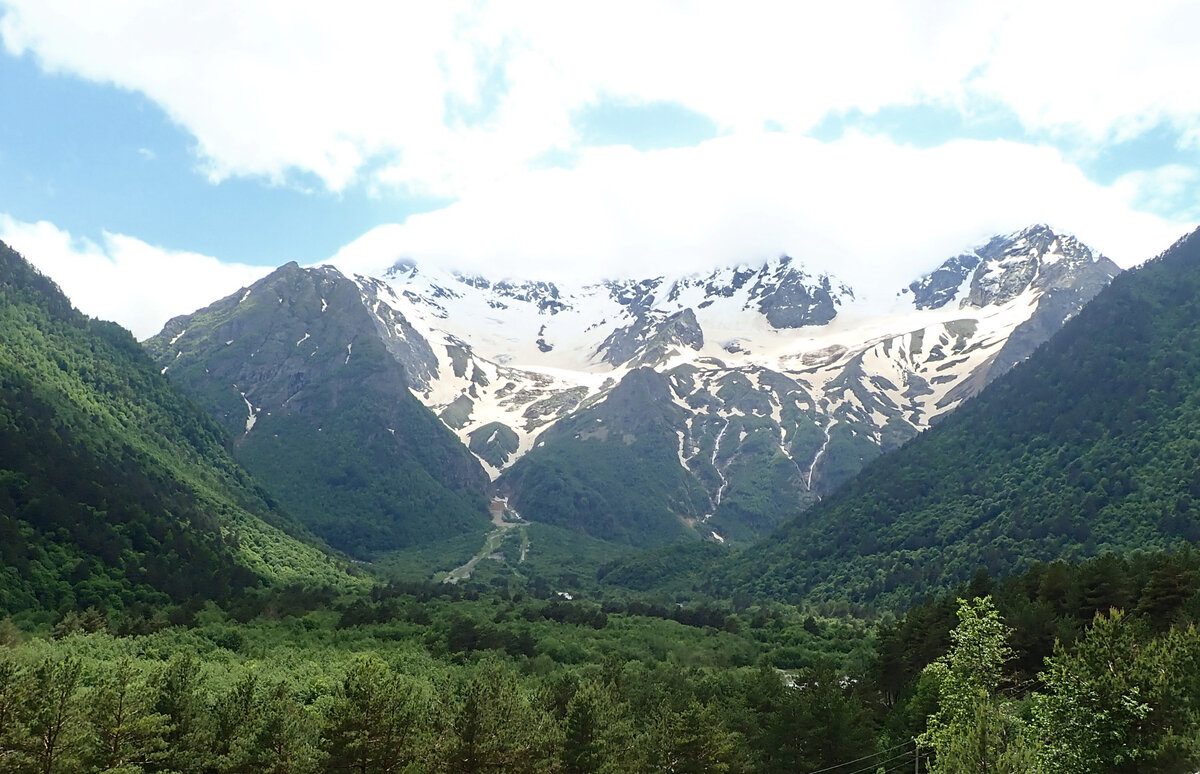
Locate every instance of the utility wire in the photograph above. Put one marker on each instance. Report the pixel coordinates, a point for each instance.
(898, 766)
(908, 755)
(865, 757)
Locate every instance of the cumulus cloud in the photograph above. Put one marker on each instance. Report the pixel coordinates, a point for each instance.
(1169, 188)
(1098, 71)
(444, 97)
(874, 213)
(468, 100)
(124, 279)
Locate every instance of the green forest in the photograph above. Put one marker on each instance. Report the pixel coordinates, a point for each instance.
(1035, 673)
(161, 612)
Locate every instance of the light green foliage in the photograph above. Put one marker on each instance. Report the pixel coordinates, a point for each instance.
(1120, 701)
(55, 734)
(16, 690)
(973, 726)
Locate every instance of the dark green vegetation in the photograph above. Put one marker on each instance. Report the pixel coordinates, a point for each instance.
(1093, 444)
(623, 482)
(115, 491)
(440, 678)
(295, 369)
(614, 469)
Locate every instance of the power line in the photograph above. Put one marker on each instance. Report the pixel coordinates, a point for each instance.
(908, 755)
(866, 757)
(899, 765)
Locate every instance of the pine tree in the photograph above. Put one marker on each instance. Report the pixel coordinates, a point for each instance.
(1120, 701)
(377, 720)
(126, 731)
(54, 715)
(16, 694)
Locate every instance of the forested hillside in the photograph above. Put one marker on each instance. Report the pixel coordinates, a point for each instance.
(1093, 444)
(115, 491)
(312, 387)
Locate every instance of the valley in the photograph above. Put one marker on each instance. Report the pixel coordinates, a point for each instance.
(503, 522)
(565, 388)
(683, 585)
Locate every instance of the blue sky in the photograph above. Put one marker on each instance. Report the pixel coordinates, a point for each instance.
(155, 156)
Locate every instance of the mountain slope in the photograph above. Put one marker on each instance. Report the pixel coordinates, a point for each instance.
(611, 470)
(1090, 445)
(313, 384)
(786, 384)
(772, 386)
(114, 489)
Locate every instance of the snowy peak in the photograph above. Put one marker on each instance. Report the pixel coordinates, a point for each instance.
(943, 284)
(1035, 258)
(780, 290)
(769, 370)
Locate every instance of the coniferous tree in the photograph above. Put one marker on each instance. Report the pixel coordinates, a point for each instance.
(1120, 702)
(54, 715)
(126, 731)
(16, 691)
(177, 699)
(495, 727)
(377, 721)
(597, 735)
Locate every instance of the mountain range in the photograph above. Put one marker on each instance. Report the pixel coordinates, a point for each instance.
(642, 411)
(1088, 447)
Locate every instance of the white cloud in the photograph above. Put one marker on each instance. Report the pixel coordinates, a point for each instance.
(871, 212)
(449, 96)
(1099, 71)
(124, 279)
(1169, 188)
(464, 99)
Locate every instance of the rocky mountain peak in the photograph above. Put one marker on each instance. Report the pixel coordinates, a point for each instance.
(1034, 258)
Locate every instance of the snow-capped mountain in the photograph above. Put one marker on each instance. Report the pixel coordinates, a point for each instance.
(525, 354)
(777, 378)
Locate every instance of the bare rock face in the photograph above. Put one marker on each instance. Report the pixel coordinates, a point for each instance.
(1035, 258)
(1007, 266)
(792, 299)
(935, 290)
